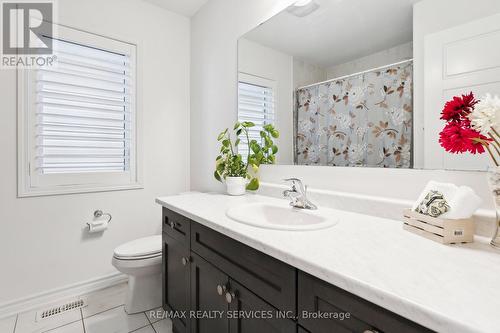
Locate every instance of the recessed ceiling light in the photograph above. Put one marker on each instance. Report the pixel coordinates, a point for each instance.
(303, 8)
(301, 3)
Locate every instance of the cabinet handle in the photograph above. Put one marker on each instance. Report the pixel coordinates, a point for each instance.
(229, 297)
(171, 224)
(221, 289)
(185, 261)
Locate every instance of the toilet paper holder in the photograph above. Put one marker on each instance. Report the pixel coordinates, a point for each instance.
(98, 213)
(98, 226)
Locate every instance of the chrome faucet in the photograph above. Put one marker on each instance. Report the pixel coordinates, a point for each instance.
(298, 195)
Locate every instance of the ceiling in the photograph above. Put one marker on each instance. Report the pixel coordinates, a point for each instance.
(184, 7)
(339, 30)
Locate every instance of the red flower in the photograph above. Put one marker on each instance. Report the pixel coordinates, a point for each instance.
(457, 138)
(459, 107)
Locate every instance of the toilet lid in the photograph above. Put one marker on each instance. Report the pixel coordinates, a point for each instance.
(141, 247)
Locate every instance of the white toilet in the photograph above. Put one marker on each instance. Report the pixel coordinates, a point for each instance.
(141, 260)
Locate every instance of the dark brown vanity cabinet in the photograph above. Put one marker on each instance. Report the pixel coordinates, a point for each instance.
(223, 286)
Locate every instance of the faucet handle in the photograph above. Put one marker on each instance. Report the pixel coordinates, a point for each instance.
(292, 180)
(295, 183)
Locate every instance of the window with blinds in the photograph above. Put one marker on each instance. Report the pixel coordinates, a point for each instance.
(256, 104)
(83, 114)
(79, 121)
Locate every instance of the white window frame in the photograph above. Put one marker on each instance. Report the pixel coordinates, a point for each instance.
(30, 182)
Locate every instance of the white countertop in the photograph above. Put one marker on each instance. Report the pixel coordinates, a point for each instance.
(445, 288)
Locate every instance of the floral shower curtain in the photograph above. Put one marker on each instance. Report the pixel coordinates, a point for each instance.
(363, 120)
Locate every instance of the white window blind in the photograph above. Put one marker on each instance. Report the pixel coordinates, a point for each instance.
(256, 103)
(83, 114)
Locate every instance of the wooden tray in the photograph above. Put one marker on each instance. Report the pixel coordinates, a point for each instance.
(440, 230)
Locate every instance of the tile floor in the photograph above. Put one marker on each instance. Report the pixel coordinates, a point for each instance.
(104, 313)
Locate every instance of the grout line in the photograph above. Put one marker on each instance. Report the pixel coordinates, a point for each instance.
(111, 308)
(95, 314)
(83, 323)
(15, 324)
(151, 323)
(140, 328)
(156, 319)
(148, 318)
(66, 324)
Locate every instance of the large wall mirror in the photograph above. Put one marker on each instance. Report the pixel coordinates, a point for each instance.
(337, 79)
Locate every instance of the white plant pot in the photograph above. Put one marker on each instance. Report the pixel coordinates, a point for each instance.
(236, 185)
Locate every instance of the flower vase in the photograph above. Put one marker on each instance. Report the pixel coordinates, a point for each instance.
(494, 182)
(236, 185)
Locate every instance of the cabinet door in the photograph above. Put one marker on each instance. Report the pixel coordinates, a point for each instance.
(176, 284)
(255, 315)
(208, 286)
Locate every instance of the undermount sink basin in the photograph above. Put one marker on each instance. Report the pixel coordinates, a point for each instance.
(281, 217)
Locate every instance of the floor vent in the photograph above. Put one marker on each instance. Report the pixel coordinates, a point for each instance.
(57, 310)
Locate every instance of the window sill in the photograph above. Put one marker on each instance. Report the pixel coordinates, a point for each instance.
(37, 192)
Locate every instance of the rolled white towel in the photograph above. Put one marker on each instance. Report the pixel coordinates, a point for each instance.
(447, 189)
(463, 204)
(463, 201)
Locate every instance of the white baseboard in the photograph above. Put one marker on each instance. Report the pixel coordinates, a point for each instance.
(39, 300)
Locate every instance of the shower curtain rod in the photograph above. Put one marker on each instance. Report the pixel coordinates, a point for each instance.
(355, 74)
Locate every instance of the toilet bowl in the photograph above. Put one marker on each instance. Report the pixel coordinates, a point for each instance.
(141, 260)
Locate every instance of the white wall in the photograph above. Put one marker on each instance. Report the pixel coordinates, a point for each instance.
(382, 58)
(41, 241)
(265, 62)
(215, 30)
(430, 16)
(305, 73)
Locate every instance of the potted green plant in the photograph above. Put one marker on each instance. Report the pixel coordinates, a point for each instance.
(238, 173)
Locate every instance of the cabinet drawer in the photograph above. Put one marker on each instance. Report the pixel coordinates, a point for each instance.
(269, 278)
(176, 226)
(315, 295)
